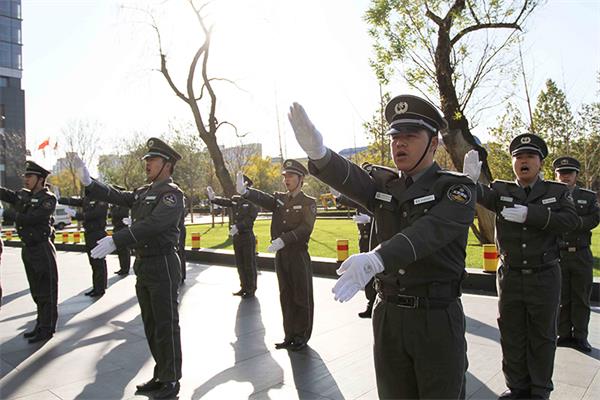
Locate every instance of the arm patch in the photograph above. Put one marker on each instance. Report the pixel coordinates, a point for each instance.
(169, 200)
(459, 194)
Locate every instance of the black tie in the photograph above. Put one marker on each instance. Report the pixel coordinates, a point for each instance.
(528, 190)
(408, 181)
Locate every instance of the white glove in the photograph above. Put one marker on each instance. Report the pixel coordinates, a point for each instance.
(517, 214)
(234, 230)
(69, 211)
(127, 221)
(334, 192)
(361, 218)
(82, 172)
(104, 246)
(307, 135)
(472, 165)
(355, 273)
(240, 184)
(276, 245)
(1, 212)
(210, 192)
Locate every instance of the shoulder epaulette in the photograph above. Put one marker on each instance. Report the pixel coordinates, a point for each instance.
(376, 168)
(453, 173)
(556, 182)
(588, 190)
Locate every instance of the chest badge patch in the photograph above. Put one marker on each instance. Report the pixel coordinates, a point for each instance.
(383, 196)
(459, 194)
(425, 199)
(549, 200)
(48, 204)
(169, 200)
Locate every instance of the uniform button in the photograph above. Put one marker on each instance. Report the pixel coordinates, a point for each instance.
(287, 210)
(401, 271)
(284, 221)
(524, 245)
(524, 262)
(381, 206)
(524, 228)
(404, 214)
(425, 210)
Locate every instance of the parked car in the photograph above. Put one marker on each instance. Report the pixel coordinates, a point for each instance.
(61, 218)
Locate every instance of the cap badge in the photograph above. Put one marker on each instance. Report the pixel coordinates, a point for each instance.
(525, 140)
(151, 143)
(401, 107)
(564, 162)
(288, 164)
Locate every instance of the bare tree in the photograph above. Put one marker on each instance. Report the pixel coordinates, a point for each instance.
(80, 138)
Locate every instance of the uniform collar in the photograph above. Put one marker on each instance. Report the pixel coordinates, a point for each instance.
(157, 184)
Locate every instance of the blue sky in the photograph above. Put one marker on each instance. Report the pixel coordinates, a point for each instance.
(92, 59)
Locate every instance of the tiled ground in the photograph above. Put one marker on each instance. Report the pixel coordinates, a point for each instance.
(100, 352)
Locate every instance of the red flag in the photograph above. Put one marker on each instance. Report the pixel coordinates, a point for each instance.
(44, 144)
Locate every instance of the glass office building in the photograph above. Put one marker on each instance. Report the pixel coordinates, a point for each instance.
(12, 97)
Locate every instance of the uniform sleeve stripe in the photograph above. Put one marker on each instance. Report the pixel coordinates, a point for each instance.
(347, 172)
(411, 245)
(294, 233)
(548, 220)
(132, 235)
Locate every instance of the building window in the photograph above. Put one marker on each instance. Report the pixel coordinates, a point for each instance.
(3, 81)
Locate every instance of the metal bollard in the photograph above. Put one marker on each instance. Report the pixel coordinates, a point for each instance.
(342, 249)
(76, 237)
(490, 258)
(65, 237)
(195, 241)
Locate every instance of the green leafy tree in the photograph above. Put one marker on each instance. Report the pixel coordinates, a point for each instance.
(587, 147)
(125, 168)
(265, 174)
(553, 119)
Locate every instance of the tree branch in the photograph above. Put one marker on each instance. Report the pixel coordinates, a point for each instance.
(477, 27)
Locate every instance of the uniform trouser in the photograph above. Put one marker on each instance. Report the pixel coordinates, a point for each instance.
(244, 246)
(182, 260)
(294, 274)
(528, 310)
(124, 258)
(576, 290)
(370, 292)
(99, 278)
(157, 288)
(419, 353)
(42, 275)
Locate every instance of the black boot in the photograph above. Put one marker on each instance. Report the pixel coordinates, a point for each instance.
(168, 390)
(150, 386)
(40, 336)
(283, 345)
(367, 313)
(31, 333)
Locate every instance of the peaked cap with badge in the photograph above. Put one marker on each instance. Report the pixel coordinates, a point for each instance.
(158, 148)
(567, 164)
(528, 143)
(406, 112)
(294, 167)
(33, 168)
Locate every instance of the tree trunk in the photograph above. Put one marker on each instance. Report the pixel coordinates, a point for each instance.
(220, 168)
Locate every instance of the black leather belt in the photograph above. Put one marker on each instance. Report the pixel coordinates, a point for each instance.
(414, 302)
(147, 253)
(572, 249)
(531, 271)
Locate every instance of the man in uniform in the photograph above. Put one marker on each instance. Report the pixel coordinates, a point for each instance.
(576, 260)
(120, 219)
(156, 210)
(32, 213)
(366, 239)
(531, 213)
(423, 217)
(294, 215)
(93, 215)
(243, 214)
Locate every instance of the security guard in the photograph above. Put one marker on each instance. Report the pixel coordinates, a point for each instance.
(531, 213)
(120, 219)
(32, 213)
(93, 215)
(423, 217)
(367, 240)
(156, 210)
(576, 260)
(294, 215)
(243, 214)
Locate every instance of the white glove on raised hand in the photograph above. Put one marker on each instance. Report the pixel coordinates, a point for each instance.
(355, 273)
(334, 192)
(234, 230)
(307, 135)
(240, 184)
(82, 172)
(361, 218)
(104, 247)
(276, 245)
(70, 212)
(472, 165)
(210, 192)
(127, 221)
(517, 214)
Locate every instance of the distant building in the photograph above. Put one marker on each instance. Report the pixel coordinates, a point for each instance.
(12, 97)
(237, 156)
(349, 152)
(63, 164)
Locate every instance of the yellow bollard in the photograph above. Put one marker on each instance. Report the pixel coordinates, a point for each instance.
(65, 237)
(490, 258)
(342, 249)
(9, 235)
(109, 232)
(195, 241)
(76, 237)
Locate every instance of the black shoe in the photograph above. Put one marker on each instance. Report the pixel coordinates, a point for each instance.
(121, 272)
(89, 292)
(366, 314)
(30, 334)
(168, 390)
(150, 386)
(514, 394)
(238, 293)
(283, 345)
(582, 345)
(96, 294)
(297, 345)
(247, 295)
(40, 337)
(564, 341)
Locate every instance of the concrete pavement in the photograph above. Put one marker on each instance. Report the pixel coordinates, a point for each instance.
(100, 352)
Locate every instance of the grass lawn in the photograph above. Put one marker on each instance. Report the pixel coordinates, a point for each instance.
(323, 240)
